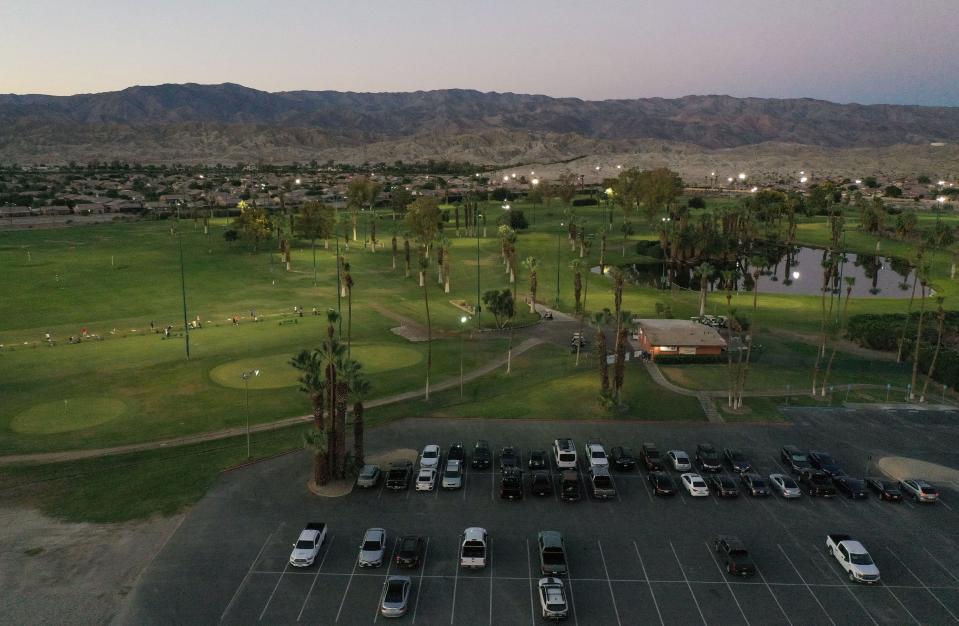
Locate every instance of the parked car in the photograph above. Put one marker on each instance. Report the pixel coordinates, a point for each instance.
(785, 485)
(308, 545)
(755, 485)
(481, 455)
(853, 558)
(431, 456)
(456, 453)
(395, 599)
(662, 483)
(399, 475)
(508, 458)
(540, 483)
(679, 460)
(552, 598)
(596, 454)
(794, 458)
(368, 477)
(511, 484)
(852, 487)
(824, 462)
(552, 553)
(738, 462)
(707, 458)
(473, 548)
(650, 457)
(886, 489)
(426, 479)
(722, 485)
(373, 548)
(734, 555)
(817, 483)
(694, 484)
(919, 490)
(564, 453)
(453, 475)
(622, 458)
(537, 460)
(569, 490)
(601, 482)
(409, 551)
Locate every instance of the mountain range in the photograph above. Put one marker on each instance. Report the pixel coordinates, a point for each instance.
(229, 122)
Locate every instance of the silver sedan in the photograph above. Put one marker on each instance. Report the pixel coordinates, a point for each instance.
(785, 485)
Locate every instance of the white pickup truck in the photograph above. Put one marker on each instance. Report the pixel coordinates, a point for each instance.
(853, 558)
(308, 545)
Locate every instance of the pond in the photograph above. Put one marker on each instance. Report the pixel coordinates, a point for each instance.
(790, 269)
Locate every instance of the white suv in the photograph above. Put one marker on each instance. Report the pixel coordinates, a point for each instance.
(564, 453)
(430, 457)
(596, 454)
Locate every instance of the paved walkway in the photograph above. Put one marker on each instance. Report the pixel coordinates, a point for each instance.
(74, 455)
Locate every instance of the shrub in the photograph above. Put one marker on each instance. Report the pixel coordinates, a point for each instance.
(585, 202)
(514, 219)
(891, 191)
(697, 202)
(687, 359)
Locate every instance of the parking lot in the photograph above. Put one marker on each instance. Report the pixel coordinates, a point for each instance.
(633, 559)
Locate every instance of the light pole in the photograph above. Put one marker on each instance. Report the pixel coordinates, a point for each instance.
(476, 231)
(535, 183)
(559, 240)
(246, 383)
(463, 320)
(607, 218)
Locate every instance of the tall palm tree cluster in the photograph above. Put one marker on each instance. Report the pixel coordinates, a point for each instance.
(332, 380)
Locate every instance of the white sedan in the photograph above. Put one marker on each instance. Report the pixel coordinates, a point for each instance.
(695, 484)
(430, 456)
(426, 479)
(680, 460)
(785, 485)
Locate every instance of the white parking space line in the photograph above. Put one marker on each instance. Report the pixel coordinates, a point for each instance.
(943, 567)
(943, 504)
(808, 587)
(725, 577)
(456, 578)
(466, 478)
(572, 602)
(646, 577)
(649, 490)
(489, 557)
(773, 594)
(492, 487)
(272, 593)
(529, 568)
(346, 591)
(396, 543)
(920, 581)
(689, 586)
(609, 583)
(316, 576)
(245, 578)
(419, 590)
(832, 568)
(908, 612)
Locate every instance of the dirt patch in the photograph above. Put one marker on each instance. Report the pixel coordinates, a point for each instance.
(901, 468)
(383, 459)
(53, 572)
(332, 489)
(410, 333)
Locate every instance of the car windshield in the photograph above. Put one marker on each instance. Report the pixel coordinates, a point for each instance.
(599, 454)
(371, 544)
(758, 482)
(682, 458)
(799, 458)
(860, 558)
(789, 483)
(699, 484)
(409, 545)
(424, 478)
(429, 454)
(304, 544)
(452, 473)
(394, 593)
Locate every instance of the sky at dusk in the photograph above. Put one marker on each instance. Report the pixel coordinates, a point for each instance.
(867, 51)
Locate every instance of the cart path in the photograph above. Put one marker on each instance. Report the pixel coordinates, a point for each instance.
(75, 455)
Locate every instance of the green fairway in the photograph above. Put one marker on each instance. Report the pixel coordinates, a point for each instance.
(72, 414)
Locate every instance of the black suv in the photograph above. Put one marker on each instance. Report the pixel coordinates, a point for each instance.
(852, 487)
(824, 461)
(508, 458)
(538, 460)
(735, 555)
(622, 458)
(409, 552)
(738, 461)
(457, 452)
(481, 455)
(707, 458)
(650, 456)
(511, 485)
(794, 458)
(540, 483)
(662, 483)
(817, 483)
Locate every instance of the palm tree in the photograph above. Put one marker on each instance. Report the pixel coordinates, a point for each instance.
(406, 254)
(348, 286)
(828, 266)
(757, 263)
(920, 251)
(331, 354)
(850, 281)
(577, 266)
(922, 312)
(394, 251)
(602, 319)
(531, 264)
(424, 265)
(602, 253)
(359, 389)
(941, 318)
(704, 270)
(318, 442)
(728, 277)
(310, 366)
(619, 367)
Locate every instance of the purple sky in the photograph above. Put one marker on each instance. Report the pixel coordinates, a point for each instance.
(868, 51)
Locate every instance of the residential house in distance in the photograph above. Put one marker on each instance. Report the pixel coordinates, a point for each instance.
(658, 336)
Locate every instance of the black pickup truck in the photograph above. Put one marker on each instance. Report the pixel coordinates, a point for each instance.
(399, 474)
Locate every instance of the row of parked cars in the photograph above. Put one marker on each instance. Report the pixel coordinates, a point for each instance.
(816, 473)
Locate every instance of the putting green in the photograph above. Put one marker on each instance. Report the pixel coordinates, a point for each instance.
(276, 371)
(67, 415)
